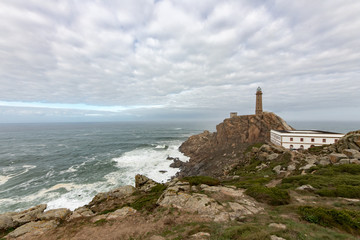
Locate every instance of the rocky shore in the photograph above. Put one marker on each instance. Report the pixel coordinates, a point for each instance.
(236, 186)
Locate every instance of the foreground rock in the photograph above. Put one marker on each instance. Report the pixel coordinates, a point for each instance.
(214, 205)
(33, 229)
(144, 183)
(28, 215)
(106, 201)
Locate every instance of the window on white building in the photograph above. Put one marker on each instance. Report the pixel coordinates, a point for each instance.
(301, 139)
(313, 140)
(324, 140)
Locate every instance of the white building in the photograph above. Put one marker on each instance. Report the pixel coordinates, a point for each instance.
(303, 139)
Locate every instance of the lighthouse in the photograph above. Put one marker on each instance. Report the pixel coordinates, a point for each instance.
(258, 107)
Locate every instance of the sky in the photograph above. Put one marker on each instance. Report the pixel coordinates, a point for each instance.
(184, 60)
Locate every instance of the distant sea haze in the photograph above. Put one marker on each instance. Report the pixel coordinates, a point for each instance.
(67, 164)
(331, 126)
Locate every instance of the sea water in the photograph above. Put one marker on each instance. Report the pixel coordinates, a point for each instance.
(67, 164)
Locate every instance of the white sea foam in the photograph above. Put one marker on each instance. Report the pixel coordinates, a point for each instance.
(147, 161)
(4, 179)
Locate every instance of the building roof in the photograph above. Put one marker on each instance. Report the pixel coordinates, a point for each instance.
(306, 132)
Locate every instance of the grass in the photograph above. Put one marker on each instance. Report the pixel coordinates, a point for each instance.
(255, 227)
(249, 148)
(345, 220)
(272, 196)
(148, 201)
(198, 180)
(316, 149)
(329, 181)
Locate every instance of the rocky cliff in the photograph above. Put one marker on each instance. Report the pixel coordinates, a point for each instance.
(212, 153)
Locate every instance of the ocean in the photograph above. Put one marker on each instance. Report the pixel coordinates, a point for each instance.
(67, 164)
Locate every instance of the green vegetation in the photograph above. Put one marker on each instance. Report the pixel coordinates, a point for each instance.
(316, 149)
(198, 180)
(256, 145)
(272, 196)
(254, 228)
(345, 220)
(248, 231)
(148, 201)
(5, 232)
(329, 181)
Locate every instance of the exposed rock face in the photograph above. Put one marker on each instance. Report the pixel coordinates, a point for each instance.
(350, 141)
(29, 215)
(210, 152)
(33, 229)
(144, 183)
(214, 204)
(107, 200)
(55, 214)
(6, 222)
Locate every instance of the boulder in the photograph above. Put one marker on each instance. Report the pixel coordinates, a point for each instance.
(307, 166)
(311, 159)
(177, 163)
(274, 237)
(55, 214)
(324, 161)
(122, 212)
(144, 183)
(33, 229)
(81, 212)
(291, 167)
(344, 161)
(265, 148)
(261, 166)
(31, 214)
(263, 156)
(120, 192)
(336, 157)
(350, 141)
(272, 156)
(354, 161)
(352, 153)
(6, 222)
(277, 169)
(305, 187)
(200, 236)
(278, 226)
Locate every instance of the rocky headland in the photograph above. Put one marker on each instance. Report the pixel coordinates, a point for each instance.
(236, 185)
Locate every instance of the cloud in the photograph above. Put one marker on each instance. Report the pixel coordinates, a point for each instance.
(193, 56)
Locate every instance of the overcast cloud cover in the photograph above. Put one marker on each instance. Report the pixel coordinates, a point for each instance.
(70, 60)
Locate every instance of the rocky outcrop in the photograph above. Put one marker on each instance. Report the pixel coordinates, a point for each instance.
(28, 215)
(350, 141)
(144, 183)
(107, 200)
(210, 201)
(33, 229)
(210, 152)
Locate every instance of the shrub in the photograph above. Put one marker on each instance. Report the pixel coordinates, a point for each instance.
(346, 220)
(197, 180)
(249, 148)
(148, 201)
(272, 196)
(346, 191)
(245, 232)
